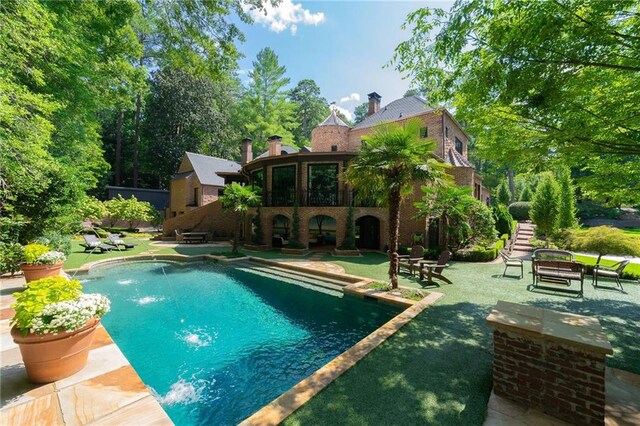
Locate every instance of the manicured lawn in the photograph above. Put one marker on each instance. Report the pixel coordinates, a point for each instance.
(78, 257)
(632, 231)
(437, 368)
(632, 268)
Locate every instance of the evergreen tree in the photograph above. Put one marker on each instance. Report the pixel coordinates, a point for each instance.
(502, 195)
(294, 241)
(360, 113)
(545, 206)
(264, 107)
(567, 215)
(258, 233)
(310, 109)
(526, 194)
(349, 242)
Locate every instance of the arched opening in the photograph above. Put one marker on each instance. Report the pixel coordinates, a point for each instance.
(322, 232)
(280, 233)
(368, 233)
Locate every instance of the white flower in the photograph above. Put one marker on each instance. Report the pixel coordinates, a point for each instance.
(50, 258)
(70, 315)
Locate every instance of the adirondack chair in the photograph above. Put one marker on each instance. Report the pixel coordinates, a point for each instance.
(410, 261)
(434, 270)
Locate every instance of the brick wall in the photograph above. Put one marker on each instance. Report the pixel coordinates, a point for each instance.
(323, 137)
(209, 194)
(550, 361)
(209, 218)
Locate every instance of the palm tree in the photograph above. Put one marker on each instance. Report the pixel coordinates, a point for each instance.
(239, 199)
(390, 161)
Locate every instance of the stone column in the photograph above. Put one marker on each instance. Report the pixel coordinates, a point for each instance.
(551, 361)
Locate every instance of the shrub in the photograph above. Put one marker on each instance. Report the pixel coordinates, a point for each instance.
(503, 196)
(520, 210)
(56, 241)
(567, 214)
(504, 220)
(526, 194)
(294, 241)
(93, 209)
(32, 252)
(591, 210)
(477, 254)
(602, 240)
(349, 241)
(128, 209)
(10, 257)
(258, 233)
(545, 206)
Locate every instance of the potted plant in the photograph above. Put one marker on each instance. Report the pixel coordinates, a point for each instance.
(53, 325)
(41, 262)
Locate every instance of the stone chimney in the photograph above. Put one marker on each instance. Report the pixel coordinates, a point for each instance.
(275, 145)
(246, 151)
(374, 103)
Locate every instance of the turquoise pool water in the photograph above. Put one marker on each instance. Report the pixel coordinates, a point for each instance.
(217, 342)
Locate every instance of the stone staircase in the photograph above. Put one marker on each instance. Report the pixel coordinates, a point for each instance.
(525, 233)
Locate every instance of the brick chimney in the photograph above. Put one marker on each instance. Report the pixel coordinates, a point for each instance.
(246, 151)
(275, 145)
(374, 103)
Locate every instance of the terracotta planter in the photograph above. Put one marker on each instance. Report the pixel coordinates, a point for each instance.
(52, 357)
(35, 272)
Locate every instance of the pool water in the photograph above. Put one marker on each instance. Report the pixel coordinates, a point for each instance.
(215, 343)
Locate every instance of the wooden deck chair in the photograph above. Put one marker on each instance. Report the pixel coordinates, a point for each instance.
(410, 261)
(434, 270)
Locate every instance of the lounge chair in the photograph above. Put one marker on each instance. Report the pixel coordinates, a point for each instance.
(613, 271)
(91, 243)
(434, 269)
(410, 261)
(511, 262)
(117, 241)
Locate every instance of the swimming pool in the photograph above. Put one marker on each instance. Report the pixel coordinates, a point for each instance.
(216, 342)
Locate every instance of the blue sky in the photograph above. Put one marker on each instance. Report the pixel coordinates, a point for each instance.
(343, 46)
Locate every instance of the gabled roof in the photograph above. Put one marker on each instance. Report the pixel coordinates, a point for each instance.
(284, 149)
(400, 108)
(456, 159)
(333, 120)
(206, 167)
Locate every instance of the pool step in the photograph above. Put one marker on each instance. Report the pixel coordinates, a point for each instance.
(294, 277)
(302, 276)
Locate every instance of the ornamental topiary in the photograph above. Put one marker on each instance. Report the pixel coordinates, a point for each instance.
(349, 241)
(520, 210)
(504, 220)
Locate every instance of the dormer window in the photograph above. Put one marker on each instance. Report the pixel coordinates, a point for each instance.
(458, 145)
(334, 148)
(424, 132)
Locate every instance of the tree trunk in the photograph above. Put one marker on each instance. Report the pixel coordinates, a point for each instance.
(394, 230)
(117, 166)
(136, 140)
(236, 235)
(512, 186)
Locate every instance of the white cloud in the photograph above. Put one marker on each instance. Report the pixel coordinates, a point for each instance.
(286, 15)
(351, 97)
(344, 111)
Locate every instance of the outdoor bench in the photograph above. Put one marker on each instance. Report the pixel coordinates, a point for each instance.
(558, 272)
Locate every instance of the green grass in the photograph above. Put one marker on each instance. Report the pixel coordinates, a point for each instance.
(437, 368)
(632, 231)
(632, 268)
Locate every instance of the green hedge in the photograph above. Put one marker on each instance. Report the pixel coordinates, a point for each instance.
(520, 210)
(480, 254)
(504, 220)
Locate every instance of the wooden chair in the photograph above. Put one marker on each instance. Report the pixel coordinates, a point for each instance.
(613, 271)
(434, 270)
(511, 262)
(411, 261)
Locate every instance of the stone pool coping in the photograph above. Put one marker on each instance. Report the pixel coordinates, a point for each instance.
(280, 408)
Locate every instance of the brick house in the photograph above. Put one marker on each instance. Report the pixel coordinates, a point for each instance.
(310, 177)
(199, 181)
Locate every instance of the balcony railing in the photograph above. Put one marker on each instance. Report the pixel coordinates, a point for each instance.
(286, 198)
